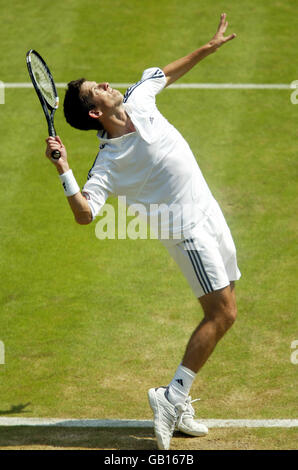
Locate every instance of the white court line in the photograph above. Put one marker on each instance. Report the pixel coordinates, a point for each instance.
(185, 86)
(133, 423)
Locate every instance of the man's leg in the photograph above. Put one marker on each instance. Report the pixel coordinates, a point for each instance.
(220, 312)
(208, 260)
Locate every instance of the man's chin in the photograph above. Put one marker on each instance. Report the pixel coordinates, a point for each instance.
(119, 94)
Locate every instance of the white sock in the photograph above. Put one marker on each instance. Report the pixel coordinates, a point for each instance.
(179, 387)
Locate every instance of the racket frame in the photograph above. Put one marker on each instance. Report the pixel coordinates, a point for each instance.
(48, 110)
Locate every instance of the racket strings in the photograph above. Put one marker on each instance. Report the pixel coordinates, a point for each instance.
(43, 80)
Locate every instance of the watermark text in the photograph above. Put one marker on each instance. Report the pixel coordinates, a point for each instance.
(140, 221)
(294, 355)
(294, 94)
(2, 353)
(2, 93)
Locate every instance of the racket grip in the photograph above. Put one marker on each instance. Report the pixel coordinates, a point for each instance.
(55, 155)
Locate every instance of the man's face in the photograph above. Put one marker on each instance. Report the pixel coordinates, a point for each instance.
(102, 95)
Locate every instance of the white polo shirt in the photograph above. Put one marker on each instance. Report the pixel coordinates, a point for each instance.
(153, 166)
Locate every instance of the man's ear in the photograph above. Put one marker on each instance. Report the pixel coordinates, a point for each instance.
(95, 114)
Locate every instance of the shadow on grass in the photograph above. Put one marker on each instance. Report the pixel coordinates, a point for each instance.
(15, 409)
(51, 437)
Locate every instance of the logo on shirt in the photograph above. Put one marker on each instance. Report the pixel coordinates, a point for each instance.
(151, 119)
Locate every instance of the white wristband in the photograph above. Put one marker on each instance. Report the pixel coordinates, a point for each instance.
(69, 183)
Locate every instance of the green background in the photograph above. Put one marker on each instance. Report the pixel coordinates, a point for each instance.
(88, 325)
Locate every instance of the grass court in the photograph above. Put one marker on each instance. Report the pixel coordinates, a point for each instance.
(88, 325)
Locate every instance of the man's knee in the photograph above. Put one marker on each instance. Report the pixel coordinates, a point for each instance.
(224, 316)
(220, 307)
(229, 314)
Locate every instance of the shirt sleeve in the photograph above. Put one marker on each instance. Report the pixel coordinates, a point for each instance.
(144, 91)
(97, 189)
(139, 103)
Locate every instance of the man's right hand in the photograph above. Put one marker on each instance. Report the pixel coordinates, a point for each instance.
(55, 143)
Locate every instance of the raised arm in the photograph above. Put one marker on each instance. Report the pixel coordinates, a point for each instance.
(180, 67)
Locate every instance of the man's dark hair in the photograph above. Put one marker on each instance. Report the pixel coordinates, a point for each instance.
(77, 107)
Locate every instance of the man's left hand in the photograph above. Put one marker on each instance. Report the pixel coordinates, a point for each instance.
(219, 39)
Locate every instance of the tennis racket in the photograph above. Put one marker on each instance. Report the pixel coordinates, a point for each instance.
(45, 88)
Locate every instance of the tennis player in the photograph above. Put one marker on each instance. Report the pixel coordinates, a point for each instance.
(143, 157)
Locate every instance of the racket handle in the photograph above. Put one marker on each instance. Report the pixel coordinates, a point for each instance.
(55, 155)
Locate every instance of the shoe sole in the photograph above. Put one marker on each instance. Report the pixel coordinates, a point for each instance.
(155, 408)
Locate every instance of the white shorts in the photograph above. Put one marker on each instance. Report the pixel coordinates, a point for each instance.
(207, 257)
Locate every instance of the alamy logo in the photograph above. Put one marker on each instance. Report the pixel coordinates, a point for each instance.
(2, 96)
(139, 221)
(294, 355)
(2, 353)
(294, 99)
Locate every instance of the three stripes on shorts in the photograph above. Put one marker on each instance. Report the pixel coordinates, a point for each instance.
(198, 266)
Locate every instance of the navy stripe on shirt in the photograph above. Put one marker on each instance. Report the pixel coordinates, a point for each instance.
(157, 74)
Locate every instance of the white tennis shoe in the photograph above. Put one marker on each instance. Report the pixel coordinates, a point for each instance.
(186, 422)
(165, 417)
